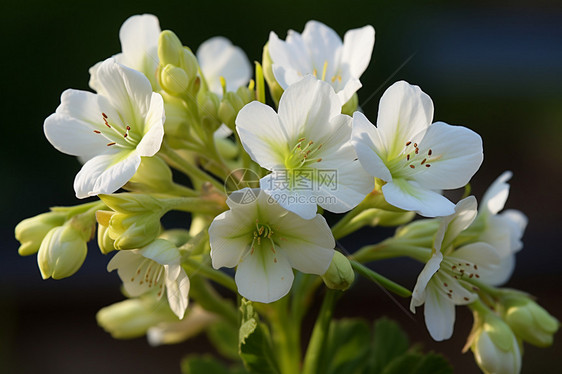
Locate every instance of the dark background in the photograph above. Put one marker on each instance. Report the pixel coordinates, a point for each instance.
(494, 67)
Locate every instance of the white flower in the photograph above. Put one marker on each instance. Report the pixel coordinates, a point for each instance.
(415, 158)
(319, 51)
(265, 242)
(445, 280)
(219, 58)
(307, 147)
(502, 231)
(109, 131)
(157, 268)
(139, 44)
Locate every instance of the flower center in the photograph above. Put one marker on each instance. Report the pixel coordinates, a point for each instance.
(335, 77)
(116, 134)
(303, 154)
(149, 272)
(411, 160)
(263, 233)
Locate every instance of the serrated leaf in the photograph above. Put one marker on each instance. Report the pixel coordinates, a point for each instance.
(254, 343)
(224, 338)
(207, 365)
(347, 348)
(416, 363)
(389, 342)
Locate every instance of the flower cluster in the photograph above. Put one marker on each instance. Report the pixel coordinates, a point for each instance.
(261, 178)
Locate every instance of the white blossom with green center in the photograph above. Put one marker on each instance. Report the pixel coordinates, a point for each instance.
(444, 282)
(154, 268)
(415, 158)
(265, 242)
(109, 131)
(307, 148)
(319, 51)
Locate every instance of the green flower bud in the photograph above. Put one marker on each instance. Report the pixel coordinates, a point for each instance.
(227, 148)
(105, 243)
(176, 125)
(245, 94)
(174, 79)
(62, 252)
(170, 48)
(177, 236)
(133, 317)
(529, 321)
(351, 106)
(153, 175)
(275, 90)
(340, 274)
(493, 344)
(227, 114)
(31, 231)
(136, 221)
(189, 63)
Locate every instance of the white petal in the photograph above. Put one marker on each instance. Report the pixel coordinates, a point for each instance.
(479, 253)
(161, 251)
(277, 186)
(495, 197)
(128, 90)
(419, 293)
(264, 276)
(308, 244)
(177, 291)
(324, 46)
(219, 58)
(306, 108)
(439, 313)
(404, 112)
(409, 195)
(230, 236)
(357, 49)
(368, 144)
(351, 86)
(262, 135)
(139, 42)
(451, 226)
(153, 128)
(127, 263)
(105, 174)
(291, 59)
(517, 222)
(456, 156)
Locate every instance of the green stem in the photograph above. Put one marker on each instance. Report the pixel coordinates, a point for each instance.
(320, 334)
(189, 169)
(391, 249)
(383, 281)
(286, 337)
(340, 229)
(196, 267)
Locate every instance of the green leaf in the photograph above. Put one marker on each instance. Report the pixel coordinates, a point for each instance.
(347, 348)
(389, 342)
(416, 363)
(255, 343)
(225, 339)
(207, 365)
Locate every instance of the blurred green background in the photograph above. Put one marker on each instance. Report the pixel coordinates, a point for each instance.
(495, 67)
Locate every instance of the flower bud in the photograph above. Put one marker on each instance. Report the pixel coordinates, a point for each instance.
(227, 114)
(176, 125)
(169, 48)
(340, 274)
(177, 236)
(62, 252)
(174, 79)
(153, 175)
(529, 321)
(495, 346)
(105, 243)
(133, 317)
(189, 63)
(226, 147)
(31, 231)
(275, 89)
(136, 221)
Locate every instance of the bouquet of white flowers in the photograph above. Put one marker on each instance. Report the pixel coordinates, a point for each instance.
(260, 178)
